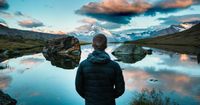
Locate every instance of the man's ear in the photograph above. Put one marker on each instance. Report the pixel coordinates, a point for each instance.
(92, 45)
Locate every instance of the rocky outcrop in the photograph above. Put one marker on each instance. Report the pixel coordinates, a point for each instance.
(129, 49)
(63, 46)
(129, 53)
(63, 52)
(61, 61)
(5, 99)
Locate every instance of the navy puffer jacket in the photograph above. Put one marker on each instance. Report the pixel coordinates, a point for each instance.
(99, 80)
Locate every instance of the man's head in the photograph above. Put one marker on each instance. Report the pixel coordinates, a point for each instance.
(99, 42)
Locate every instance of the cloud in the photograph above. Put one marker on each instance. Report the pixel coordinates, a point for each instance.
(122, 11)
(18, 13)
(4, 81)
(3, 4)
(31, 23)
(104, 24)
(109, 25)
(2, 22)
(180, 19)
(6, 14)
(168, 80)
(88, 21)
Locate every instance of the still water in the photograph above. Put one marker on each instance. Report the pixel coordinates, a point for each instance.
(33, 80)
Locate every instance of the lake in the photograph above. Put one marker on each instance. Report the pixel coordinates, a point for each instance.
(33, 80)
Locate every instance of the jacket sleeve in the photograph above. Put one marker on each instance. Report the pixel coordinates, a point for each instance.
(119, 82)
(79, 81)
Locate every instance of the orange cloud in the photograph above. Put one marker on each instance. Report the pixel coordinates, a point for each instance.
(122, 11)
(30, 23)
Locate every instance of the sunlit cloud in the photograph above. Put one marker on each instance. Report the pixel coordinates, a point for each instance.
(30, 23)
(122, 11)
(4, 81)
(31, 61)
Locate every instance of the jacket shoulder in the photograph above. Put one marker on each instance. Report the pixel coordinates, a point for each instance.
(84, 62)
(114, 64)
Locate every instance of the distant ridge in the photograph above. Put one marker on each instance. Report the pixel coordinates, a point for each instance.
(9, 32)
(190, 37)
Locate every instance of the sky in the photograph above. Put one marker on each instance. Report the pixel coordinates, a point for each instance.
(62, 16)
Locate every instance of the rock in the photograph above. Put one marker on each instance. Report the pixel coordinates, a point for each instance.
(5, 99)
(64, 46)
(149, 51)
(128, 49)
(63, 61)
(153, 80)
(3, 66)
(129, 53)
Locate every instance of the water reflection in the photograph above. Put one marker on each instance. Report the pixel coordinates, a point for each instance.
(190, 50)
(176, 75)
(169, 81)
(63, 61)
(5, 80)
(129, 58)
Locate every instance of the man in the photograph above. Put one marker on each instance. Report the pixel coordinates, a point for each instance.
(99, 80)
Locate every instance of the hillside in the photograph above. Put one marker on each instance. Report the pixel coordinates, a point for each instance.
(188, 40)
(9, 32)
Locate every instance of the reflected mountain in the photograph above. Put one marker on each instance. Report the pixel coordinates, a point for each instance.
(129, 53)
(63, 61)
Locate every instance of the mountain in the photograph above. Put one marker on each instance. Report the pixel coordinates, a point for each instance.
(165, 31)
(185, 42)
(9, 32)
(90, 31)
(190, 37)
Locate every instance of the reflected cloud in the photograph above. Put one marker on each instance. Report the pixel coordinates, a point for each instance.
(31, 61)
(184, 57)
(4, 81)
(166, 80)
(33, 94)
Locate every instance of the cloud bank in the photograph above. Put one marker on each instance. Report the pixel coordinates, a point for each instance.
(104, 24)
(31, 23)
(180, 19)
(122, 11)
(3, 4)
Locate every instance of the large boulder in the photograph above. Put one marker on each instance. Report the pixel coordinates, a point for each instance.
(68, 45)
(129, 49)
(65, 62)
(63, 52)
(129, 53)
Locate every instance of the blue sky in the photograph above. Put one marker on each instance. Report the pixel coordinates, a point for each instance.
(62, 15)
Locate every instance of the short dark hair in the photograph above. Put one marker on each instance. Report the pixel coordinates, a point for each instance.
(99, 42)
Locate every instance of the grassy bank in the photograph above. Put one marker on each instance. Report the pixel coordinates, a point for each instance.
(13, 47)
(152, 97)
